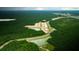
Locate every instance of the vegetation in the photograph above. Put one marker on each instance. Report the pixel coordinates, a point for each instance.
(20, 46)
(15, 29)
(67, 35)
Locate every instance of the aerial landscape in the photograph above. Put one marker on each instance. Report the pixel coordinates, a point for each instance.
(39, 29)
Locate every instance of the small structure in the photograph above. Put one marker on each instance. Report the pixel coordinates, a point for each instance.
(42, 25)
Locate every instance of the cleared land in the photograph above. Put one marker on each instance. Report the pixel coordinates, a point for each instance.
(65, 38)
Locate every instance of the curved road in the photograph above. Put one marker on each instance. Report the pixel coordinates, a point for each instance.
(39, 40)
